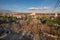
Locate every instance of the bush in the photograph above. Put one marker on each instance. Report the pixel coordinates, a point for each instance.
(43, 20)
(54, 22)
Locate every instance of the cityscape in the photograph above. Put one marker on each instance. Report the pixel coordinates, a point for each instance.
(29, 19)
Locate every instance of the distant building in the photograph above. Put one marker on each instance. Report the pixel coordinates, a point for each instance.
(33, 14)
(56, 15)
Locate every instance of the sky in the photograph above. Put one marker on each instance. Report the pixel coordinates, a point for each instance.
(29, 5)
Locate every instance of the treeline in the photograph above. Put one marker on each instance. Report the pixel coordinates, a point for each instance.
(5, 19)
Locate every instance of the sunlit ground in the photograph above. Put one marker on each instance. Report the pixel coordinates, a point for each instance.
(29, 27)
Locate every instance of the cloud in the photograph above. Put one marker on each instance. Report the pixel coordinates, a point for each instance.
(41, 8)
(15, 6)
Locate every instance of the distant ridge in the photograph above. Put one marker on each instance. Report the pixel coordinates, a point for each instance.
(5, 11)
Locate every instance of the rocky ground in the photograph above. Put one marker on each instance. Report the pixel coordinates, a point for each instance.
(29, 30)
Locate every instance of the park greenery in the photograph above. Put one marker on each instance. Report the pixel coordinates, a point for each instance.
(48, 21)
(5, 19)
(44, 20)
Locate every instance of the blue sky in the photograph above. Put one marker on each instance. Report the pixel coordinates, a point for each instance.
(28, 5)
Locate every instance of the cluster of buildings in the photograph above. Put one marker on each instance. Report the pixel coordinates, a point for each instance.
(33, 14)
